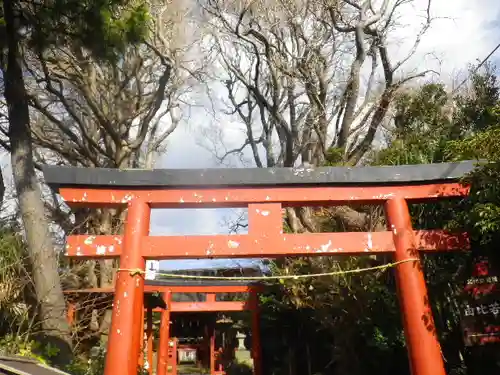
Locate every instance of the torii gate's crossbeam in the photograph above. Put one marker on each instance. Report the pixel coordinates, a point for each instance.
(265, 192)
(242, 246)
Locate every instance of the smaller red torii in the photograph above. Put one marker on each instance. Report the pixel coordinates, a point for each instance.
(167, 347)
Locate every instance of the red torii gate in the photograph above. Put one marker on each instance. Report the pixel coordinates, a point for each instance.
(168, 288)
(265, 192)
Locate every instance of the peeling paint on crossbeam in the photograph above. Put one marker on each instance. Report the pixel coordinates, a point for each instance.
(114, 197)
(233, 244)
(103, 250)
(93, 245)
(246, 195)
(262, 212)
(127, 198)
(369, 242)
(198, 197)
(89, 240)
(384, 196)
(210, 249)
(325, 247)
(262, 244)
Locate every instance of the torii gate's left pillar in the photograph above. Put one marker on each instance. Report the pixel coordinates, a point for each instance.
(128, 305)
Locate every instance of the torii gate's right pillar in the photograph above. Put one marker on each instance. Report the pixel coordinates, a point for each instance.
(422, 342)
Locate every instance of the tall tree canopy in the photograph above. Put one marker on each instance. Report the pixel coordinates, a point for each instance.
(351, 324)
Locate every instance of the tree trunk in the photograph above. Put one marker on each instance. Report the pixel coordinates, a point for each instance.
(108, 225)
(41, 249)
(2, 187)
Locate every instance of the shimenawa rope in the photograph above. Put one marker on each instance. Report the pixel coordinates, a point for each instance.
(383, 267)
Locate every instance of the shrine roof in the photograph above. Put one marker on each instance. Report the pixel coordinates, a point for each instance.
(193, 284)
(199, 282)
(72, 177)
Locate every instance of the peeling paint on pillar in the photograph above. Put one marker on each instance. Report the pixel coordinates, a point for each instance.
(127, 198)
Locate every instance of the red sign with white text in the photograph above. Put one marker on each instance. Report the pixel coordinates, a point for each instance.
(481, 306)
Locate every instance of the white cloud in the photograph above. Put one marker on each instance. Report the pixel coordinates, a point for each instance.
(462, 33)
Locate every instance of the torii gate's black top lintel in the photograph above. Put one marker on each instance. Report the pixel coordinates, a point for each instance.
(71, 177)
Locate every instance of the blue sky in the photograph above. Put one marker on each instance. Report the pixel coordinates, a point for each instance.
(184, 151)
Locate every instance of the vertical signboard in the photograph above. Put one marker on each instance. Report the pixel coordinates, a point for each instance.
(481, 306)
(152, 268)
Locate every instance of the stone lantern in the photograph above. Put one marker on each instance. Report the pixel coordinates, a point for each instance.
(240, 336)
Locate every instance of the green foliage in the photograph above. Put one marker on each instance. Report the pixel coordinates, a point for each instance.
(354, 321)
(23, 346)
(104, 27)
(470, 131)
(482, 145)
(14, 279)
(334, 156)
(481, 213)
(89, 366)
(337, 320)
(420, 110)
(479, 109)
(16, 297)
(422, 128)
(16, 300)
(237, 368)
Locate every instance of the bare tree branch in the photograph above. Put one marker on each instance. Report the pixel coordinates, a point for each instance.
(296, 70)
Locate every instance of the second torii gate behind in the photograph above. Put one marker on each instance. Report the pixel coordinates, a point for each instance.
(168, 288)
(210, 288)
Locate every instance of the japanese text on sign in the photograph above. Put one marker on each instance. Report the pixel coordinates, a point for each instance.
(482, 280)
(483, 309)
